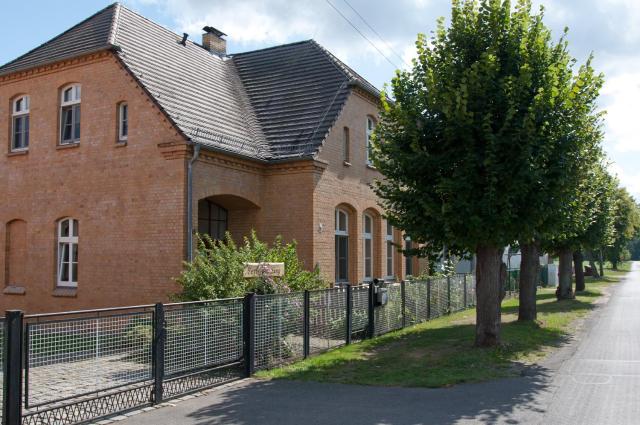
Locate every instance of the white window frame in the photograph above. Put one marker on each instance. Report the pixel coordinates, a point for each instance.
(123, 121)
(389, 251)
(75, 99)
(69, 242)
(344, 233)
(370, 126)
(20, 113)
(367, 237)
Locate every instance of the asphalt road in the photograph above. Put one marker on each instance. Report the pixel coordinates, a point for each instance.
(593, 379)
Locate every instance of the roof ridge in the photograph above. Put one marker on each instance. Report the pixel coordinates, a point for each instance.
(113, 32)
(154, 23)
(61, 34)
(310, 40)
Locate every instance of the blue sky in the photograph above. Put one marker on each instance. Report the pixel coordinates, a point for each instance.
(608, 28)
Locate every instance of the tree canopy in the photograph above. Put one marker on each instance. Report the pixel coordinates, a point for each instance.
(490, 134)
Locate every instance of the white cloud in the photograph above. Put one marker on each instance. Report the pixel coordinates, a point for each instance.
(630, 180)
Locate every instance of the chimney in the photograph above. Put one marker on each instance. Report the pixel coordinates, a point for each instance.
(212, 41)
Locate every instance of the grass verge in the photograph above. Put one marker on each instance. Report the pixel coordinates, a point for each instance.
(439, 353)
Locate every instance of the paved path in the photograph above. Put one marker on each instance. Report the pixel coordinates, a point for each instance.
(593, 380)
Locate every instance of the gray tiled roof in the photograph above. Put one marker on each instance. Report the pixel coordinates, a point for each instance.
(270, 104)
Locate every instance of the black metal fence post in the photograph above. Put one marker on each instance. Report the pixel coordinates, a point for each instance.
(306, 309)
(157, 360)
(12, 391)
(371, 310)
(464, 280)
(248, 334)
(428, 298)
(448, 294)
(403, 302)
(349, 318)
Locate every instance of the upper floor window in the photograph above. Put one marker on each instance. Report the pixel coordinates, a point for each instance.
(371, 124)
(389, 245)
(20, 123)
(70, 114)
(123, 121)
(368, 247)
(346, 145)
(68, 252)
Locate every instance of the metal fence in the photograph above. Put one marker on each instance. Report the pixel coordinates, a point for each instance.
(76, 367)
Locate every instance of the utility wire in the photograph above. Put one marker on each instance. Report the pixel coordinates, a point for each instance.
(362, 35)
(375, 32)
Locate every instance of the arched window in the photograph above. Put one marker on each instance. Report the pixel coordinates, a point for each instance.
(68, 252)
(213, 220)
(368, 246)
(342, 246)
(123, 121)
(20, 122)
(389, 244)
(408, 258)
(371, 124)
(70, 114)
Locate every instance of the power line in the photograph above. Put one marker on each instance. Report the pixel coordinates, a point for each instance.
(375, 32)
(362, 35)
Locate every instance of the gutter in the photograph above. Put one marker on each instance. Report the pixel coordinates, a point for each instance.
(194, 158)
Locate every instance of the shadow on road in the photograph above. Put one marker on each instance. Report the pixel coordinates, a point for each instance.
(289, 402)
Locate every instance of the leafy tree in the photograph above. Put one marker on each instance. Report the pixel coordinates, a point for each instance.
(457, 143)
(626, 223)
(589, 222)
(217, 269)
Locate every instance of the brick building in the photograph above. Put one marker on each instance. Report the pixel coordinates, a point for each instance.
(123, 138)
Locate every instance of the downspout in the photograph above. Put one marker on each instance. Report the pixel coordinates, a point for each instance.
(196, 153)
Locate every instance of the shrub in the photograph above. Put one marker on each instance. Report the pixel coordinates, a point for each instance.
(217, 269)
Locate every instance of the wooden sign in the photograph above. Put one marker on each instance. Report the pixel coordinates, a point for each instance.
(263, 269)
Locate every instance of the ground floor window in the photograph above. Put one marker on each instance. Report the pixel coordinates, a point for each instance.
(213, 220)
(389, 246)
(342, 246)
(68, 230)
(409, 258)
(368, 247)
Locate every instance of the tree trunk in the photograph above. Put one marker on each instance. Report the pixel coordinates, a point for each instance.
(564, 274)
(529, 278)
(578, 259)
(592, 264)
(601, 263)
(488, 292)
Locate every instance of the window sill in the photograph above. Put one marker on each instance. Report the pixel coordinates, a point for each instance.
(121, 143)
(65, 292)
(346, 163)
(18, 152)
(14, 290)
(68, 146)
(372, 167)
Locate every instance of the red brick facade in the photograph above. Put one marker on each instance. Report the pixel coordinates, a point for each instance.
(130, 199)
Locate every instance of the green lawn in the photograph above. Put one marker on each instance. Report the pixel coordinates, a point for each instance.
(440, 352)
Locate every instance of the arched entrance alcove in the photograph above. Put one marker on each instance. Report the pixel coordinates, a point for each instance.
(218, 214)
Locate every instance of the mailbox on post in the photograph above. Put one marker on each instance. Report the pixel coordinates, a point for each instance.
(382, 296)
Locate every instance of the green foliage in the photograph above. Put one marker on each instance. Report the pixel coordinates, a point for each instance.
(626, 222)
(217, 269)
(491, 132)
